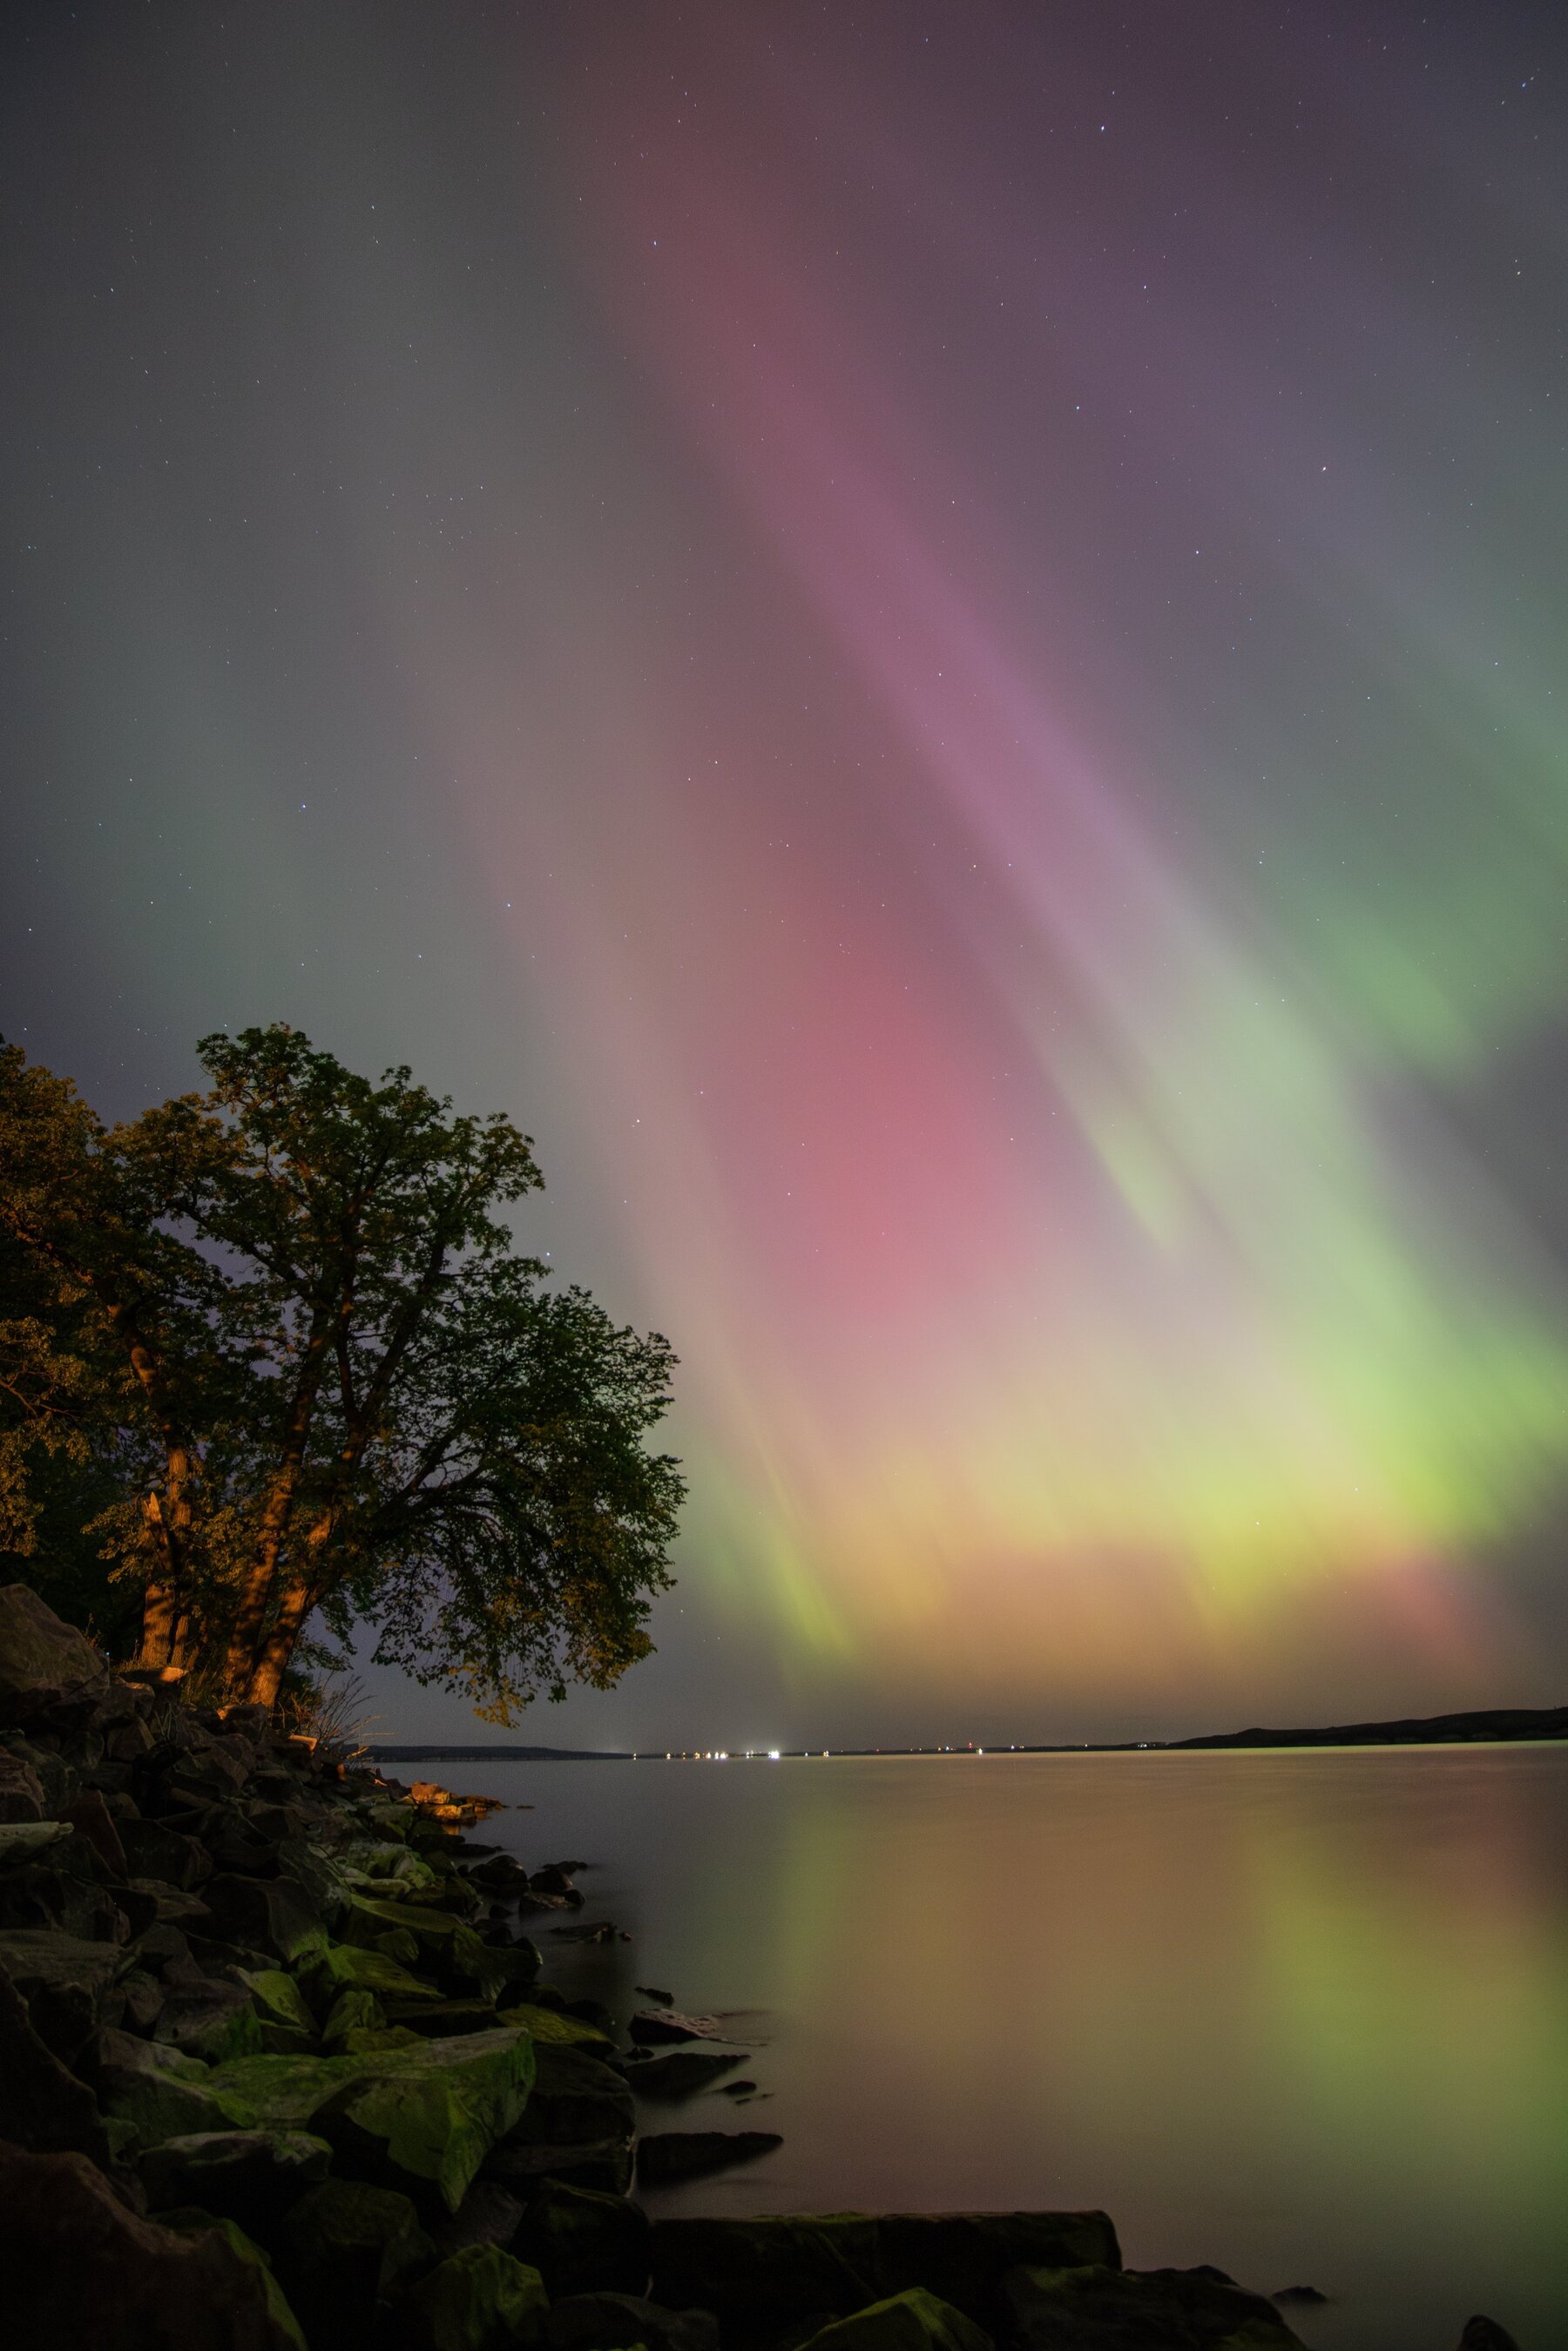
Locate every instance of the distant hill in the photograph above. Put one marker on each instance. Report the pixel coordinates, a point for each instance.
(1425, 1730)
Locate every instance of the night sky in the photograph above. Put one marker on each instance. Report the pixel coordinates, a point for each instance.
(931, 639)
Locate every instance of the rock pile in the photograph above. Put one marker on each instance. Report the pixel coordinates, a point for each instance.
(276, 2070)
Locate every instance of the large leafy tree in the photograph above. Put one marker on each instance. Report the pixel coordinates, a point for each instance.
(287, 1322)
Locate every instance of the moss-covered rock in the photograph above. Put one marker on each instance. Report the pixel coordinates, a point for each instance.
(210, 2020)
(159, 2091)
(279, 1998)
(426, 2119)
(480, 2299)
(912, 2320)
(551, 2026)
(283, 2093)
(349, 1966)
(354, 2011)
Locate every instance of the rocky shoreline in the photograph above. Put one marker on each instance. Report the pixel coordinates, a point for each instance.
(278, 2069)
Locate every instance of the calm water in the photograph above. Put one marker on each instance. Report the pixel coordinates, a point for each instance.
(1303, 2015)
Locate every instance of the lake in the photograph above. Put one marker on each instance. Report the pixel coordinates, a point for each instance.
(1303, 2015)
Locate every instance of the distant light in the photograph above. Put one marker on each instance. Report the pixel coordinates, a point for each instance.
(773, 1755)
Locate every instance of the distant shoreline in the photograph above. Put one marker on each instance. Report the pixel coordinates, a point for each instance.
(1488, 1727)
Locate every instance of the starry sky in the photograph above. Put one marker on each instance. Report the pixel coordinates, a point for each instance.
(931, 639)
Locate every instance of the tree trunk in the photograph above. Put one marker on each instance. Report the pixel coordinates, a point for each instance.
(159, 1611)
(272, 1661)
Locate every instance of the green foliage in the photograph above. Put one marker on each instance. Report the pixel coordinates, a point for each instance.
(285, 1326)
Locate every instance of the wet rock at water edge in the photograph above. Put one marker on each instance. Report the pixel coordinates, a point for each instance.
(578, 2238)
(1484, 2335)
(575, 2098)
(683, 2073)
(1303, 2296)
(1094, 2308)
(627, 2322)
(912, 2320)
(667, 2156)
(651, 1992)
(653, 2027)
(775, 2268)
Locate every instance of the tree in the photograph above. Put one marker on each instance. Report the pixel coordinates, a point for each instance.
(292, 1318)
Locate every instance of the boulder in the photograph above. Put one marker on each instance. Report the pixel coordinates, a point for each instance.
(270, 1915)
(345, 2252)
(576, 2098)
(42, 2106)
(438, 2020)
(278, 2000)
(1484, 2335)
(1094, 2308)
(424, 2120)
(154, 1849)
(248, 2176)
(64, 1888)
(54, 1774)
(681, 2075)
(80, 2269)
(354, 2011)
(488, 2215)
(209, 2020)
(20, 1838)
(651, 2027)
(43, 1663)
(577, 2238)
(477, 2300)
(158, 2092)
(785, 2266)
(552, 2025)
(21, 1789)
(665, 2157)
(67, 1984)
(343, 1965)
(912, 2320)
(604, 2164)
(92, 1818)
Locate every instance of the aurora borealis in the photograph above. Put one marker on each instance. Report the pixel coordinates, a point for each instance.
(932, 639)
